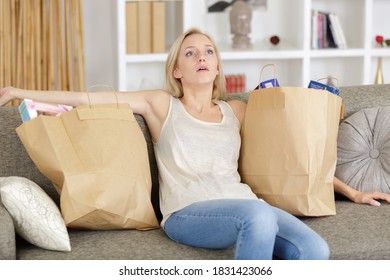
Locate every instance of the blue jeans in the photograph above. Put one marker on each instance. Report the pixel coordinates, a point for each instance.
(257, 229)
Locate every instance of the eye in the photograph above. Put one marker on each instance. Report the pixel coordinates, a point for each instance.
(189, 53)
(210, 52)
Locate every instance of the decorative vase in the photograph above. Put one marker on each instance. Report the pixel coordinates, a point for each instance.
(379, 73)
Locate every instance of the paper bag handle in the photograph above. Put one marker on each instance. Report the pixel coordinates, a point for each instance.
(105, 114)
(262, 69)
(102, 85)
(330, 78)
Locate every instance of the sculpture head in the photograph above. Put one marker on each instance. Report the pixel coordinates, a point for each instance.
(240, 18)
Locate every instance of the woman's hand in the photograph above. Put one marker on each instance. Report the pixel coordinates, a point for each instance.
(5, 95)
(371, 198)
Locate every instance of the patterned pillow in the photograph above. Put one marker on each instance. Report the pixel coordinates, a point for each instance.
(37, 218)
(363, 150)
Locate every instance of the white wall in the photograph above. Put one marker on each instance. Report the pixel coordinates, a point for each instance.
(99, 42)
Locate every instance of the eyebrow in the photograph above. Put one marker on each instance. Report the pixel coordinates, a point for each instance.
(192, 47)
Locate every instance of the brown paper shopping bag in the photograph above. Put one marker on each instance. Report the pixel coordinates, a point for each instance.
(96, 157)
(289, 144)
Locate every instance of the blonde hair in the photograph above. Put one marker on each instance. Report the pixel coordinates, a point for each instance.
(173, 85)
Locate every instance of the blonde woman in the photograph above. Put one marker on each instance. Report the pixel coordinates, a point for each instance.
(196, 138)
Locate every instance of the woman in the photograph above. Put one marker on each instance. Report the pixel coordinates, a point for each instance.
(197, 142)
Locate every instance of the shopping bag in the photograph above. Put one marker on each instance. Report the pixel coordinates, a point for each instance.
(96, 157)
(289, 145)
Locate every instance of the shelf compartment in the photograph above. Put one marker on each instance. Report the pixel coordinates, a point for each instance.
(352, 18)
(348, 70)
(288, 71)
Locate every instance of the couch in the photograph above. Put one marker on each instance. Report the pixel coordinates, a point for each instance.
(355, 232)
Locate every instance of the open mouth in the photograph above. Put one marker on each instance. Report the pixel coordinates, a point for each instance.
(202, 69)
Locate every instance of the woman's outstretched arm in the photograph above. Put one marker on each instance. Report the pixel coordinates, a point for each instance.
(152, 104)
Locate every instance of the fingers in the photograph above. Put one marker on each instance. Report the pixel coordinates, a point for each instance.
(371, 198)
(375, 196)
(374, 202)
(381, 196)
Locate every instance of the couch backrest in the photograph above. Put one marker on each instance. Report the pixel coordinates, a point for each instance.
(14, 160)
(153, 165)
(356, 98)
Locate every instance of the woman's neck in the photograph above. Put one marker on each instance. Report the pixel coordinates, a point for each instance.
(200, 105)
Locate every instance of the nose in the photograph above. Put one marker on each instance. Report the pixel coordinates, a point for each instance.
(201, 58)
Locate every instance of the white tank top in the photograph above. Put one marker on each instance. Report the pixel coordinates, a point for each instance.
(198, 160)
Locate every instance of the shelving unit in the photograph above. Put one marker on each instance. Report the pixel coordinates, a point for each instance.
(296, 62)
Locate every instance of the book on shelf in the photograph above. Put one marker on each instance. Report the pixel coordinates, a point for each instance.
(331, 43)
(131, 27)
(145, 27)
(235, 83)
(158, 26)
(327, 31)
(337, 31)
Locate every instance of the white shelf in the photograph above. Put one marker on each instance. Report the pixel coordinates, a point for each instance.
(145, 58)
(337, 53)
(296, 62)
(385, 52)
(258, 55)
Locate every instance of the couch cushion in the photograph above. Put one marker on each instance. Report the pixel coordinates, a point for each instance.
(357, 231)
(123, 245)
(363, 150)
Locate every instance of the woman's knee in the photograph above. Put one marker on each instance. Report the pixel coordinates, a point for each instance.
(296, 240)
(322, 251)
(259, 214)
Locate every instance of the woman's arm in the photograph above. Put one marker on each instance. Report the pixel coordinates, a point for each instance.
(137, 100)
(152, 105)
(356, 196)
(8, 94)
(239, 109)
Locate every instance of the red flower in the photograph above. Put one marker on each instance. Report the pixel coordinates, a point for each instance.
(379, 39)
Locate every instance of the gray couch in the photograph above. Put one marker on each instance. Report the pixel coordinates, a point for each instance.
(355, 232)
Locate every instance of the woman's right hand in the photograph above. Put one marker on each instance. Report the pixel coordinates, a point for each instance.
(5, 95)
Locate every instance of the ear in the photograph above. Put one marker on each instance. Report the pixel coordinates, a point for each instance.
(177, 74)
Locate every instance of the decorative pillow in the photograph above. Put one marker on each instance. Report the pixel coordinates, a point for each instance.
(36, 217)
(363, 150)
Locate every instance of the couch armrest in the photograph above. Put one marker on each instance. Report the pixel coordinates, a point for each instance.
(7, 235)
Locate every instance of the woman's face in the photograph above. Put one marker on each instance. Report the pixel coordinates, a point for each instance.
(197, 62)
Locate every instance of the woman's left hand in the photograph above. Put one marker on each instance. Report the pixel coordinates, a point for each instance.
(371, 198)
